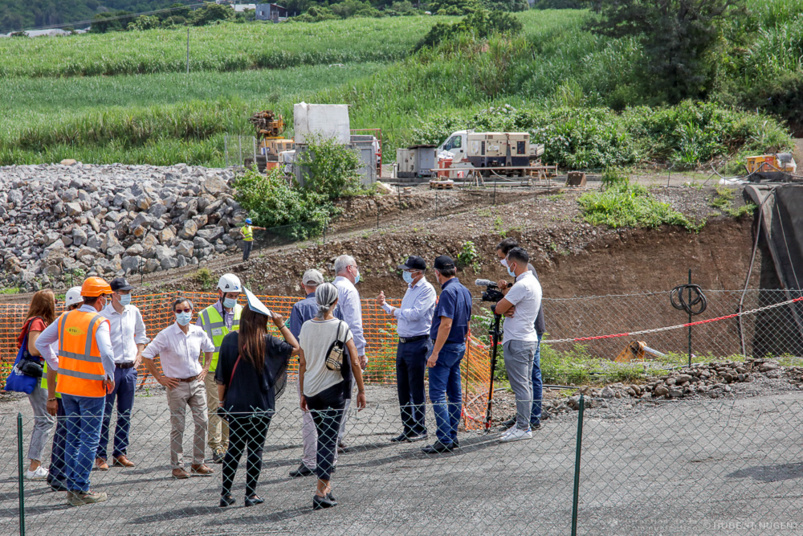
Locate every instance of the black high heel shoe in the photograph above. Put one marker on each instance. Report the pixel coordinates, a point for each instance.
(319, 502)
(253, 500)
(226, 500)
(331, 498)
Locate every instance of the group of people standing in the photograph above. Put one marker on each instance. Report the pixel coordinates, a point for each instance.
(229, 371)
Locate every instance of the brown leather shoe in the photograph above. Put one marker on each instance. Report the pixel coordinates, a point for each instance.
(201, 470)
(180, 474)
(101, 465)
(122, 461)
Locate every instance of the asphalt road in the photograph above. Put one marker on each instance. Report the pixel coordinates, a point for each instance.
(693, 467)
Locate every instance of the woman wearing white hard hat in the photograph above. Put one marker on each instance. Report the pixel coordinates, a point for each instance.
(57, 478)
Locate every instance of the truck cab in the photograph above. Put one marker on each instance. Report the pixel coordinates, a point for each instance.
(456, 144)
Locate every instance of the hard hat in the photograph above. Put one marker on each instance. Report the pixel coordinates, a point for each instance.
(248, 221)
(94, 287)
(73, 296)
(229, 283)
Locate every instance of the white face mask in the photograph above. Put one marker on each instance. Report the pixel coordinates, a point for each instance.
(125, 299)
(503, 262)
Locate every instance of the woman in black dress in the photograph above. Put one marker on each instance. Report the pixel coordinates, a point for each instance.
(251, 372)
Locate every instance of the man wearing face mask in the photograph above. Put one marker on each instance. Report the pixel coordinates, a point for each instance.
(128, 340)
(350, 307)
(218, 320)
(502, 250)
(414, 322)
(85, 368)
(520, 339)
(179, 348)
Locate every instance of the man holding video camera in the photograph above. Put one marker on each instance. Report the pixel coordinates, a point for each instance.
(502, 249)
(520, 339)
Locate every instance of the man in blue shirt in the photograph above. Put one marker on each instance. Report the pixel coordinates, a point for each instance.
(449, 331)
(304, 310)
(414, 322)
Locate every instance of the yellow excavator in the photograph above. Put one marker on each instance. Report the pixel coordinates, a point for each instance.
(269, 127)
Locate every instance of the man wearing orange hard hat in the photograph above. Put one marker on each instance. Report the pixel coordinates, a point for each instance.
(85, 368)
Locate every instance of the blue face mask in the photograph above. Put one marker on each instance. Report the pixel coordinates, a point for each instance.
(408, 277)
(183, 318)
(229, 303)
(357, 278)
(510, 272)
(125, 299)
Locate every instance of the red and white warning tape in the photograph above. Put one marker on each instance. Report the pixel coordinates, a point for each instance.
(669, 328)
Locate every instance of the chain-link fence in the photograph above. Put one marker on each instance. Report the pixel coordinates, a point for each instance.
(769, 332)
(682, 467)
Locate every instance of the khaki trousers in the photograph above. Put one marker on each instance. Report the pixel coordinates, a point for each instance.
(178, 398)
(218, 428)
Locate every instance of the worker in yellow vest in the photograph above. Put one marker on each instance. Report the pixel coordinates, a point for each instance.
(247, 232)
(85, 368)
(57, 476)
(218, 320)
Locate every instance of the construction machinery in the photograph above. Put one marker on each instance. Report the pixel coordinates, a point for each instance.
(269, 127)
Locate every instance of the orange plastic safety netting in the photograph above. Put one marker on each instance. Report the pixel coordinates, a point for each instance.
(379, 328)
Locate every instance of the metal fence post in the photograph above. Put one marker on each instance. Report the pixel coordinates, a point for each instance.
(20, 470)
(577, 454)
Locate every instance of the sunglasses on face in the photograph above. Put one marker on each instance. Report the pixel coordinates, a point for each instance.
(183, 311)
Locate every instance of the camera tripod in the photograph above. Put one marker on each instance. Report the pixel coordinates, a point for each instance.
(496, 333)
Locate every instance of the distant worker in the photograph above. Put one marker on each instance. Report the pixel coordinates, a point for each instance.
(448, 333)
(247, 232)
(128, 340)
(57, 476)
(414, 322)
(348, 298)
(302, 311)
(41, 313)
(218, 320)
(85, 368)
(520, 339)
(179, 348)
(502, 249)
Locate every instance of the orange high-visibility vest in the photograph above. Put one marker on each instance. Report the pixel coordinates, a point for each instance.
(80, 368)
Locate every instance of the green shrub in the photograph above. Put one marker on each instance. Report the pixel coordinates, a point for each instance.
(480, 24)
(614, 177)
(629, 205)
(330, 169)
(272, 202)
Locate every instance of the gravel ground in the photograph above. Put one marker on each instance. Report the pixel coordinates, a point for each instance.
(691, 467)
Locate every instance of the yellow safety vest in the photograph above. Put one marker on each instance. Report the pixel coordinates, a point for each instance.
(215, 327)
(44, 379)
(248, 233)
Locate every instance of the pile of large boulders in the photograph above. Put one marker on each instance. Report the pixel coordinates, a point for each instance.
(59, 223)
(711, 380)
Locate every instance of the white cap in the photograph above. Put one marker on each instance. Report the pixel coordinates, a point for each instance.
(229, 283)
(73, 296)
(312, 278)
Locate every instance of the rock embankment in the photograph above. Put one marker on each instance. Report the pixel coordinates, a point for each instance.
(59, 223)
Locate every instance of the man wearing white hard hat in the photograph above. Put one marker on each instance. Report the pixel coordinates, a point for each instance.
(218, 320)
(57, 475)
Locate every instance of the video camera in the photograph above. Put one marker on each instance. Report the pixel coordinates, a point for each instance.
(491, 292)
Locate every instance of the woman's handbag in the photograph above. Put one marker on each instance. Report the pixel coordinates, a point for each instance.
(20, 379)
(334, 356)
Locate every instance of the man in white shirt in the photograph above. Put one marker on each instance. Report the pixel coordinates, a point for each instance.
(414, 322)
(179, 348)
(128, 340)
(348, 275)
(520, 339)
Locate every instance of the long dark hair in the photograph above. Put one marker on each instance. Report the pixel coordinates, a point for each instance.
(43, 304)
(251, 338)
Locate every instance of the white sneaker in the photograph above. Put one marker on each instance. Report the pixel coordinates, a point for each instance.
(39, 474)
(507, 432)
(516, 434)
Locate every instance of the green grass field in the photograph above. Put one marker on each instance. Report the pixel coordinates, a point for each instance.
(124, 97)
